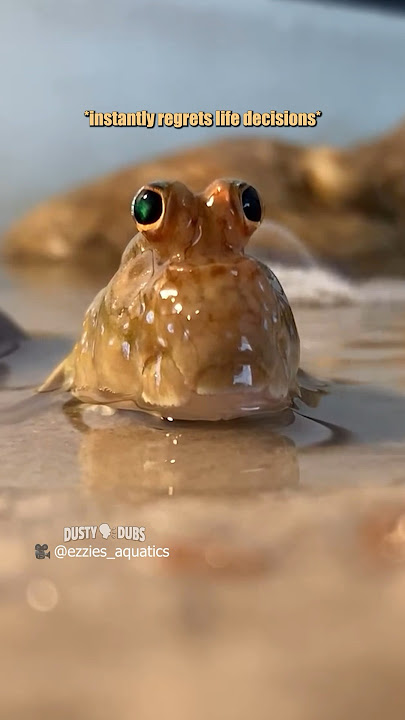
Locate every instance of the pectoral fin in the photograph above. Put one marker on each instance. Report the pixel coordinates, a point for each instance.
(59, 379)
(311, 389)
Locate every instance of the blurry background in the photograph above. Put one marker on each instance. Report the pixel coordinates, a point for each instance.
(59, 59)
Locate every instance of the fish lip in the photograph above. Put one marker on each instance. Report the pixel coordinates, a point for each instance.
(228, 405)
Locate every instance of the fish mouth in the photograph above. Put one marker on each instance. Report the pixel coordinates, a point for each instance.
(227, 405)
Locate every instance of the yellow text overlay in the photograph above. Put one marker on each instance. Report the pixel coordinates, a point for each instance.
(219, 118)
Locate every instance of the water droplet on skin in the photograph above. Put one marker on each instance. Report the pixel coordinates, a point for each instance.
(166, 293)
(244, 377)
(126, 349)
(157, 374)
(245, 344)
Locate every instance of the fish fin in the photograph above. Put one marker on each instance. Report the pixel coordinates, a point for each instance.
(59, 379)
(309, 382)
(310, 388)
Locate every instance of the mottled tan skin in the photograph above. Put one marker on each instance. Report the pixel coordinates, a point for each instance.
(190, 326)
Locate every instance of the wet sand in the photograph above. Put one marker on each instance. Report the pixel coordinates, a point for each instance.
(283, 592)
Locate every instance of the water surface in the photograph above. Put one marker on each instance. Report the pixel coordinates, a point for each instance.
(285, 534)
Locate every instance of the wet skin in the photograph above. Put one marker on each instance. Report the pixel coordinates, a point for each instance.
(189, 327)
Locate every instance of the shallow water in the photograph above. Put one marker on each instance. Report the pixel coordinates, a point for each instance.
(356, 349)
(286, 537)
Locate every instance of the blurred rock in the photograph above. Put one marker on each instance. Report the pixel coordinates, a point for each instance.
(346, 205)
(10, 336)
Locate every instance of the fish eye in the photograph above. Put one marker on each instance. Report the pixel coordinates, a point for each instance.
(147, 206)
(251, 204)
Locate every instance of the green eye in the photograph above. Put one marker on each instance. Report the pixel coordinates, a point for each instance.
(147, 207)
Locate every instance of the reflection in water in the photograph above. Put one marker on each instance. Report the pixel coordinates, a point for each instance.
(138, 458)
(134, 461)
(133, 457)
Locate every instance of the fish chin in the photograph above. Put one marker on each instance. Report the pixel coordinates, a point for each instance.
(222, 406)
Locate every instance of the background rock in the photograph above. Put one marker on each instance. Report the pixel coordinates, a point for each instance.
(346, 205)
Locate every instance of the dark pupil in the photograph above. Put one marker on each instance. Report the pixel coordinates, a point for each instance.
(147, 207)
(251, 204)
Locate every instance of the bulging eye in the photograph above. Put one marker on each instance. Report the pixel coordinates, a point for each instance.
(147, 207)
(251, 204)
